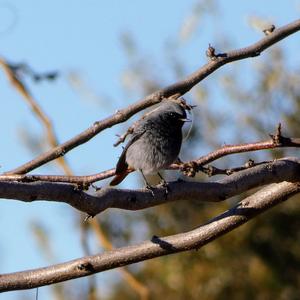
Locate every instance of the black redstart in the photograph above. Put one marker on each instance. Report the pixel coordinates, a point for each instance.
(155, 142)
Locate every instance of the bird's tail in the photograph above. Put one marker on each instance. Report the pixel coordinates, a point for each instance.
(120, 177)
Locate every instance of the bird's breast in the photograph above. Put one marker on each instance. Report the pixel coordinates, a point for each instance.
(156, 149)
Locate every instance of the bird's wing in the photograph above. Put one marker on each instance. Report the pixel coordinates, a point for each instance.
(122, 164)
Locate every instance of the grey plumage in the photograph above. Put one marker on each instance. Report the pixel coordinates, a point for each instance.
(155, 142)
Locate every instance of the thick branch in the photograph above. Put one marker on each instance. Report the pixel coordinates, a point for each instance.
(287, 169)
(179, 88)
(195, 239)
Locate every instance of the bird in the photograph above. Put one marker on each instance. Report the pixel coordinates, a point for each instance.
(155, 142)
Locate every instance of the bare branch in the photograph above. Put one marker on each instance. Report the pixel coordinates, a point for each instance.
(277, 141)
(188, 168)
(194, 239)
(83, 181)
(286, 169)
(177, 89)
(212, 170)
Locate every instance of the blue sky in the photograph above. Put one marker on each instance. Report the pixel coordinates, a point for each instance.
(84, 36)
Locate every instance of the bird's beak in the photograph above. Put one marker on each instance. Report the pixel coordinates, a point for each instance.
(185, 120)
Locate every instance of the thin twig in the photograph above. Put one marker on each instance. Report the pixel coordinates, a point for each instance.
(276, 141)
(212, 170)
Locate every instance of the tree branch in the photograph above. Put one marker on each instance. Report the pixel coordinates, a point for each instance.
(276, 141)
(194, 239)
(177, 89)
(188, 168)
(286, 169)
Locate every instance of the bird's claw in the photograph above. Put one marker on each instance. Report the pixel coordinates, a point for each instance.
(150, 189)
(164, 184)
